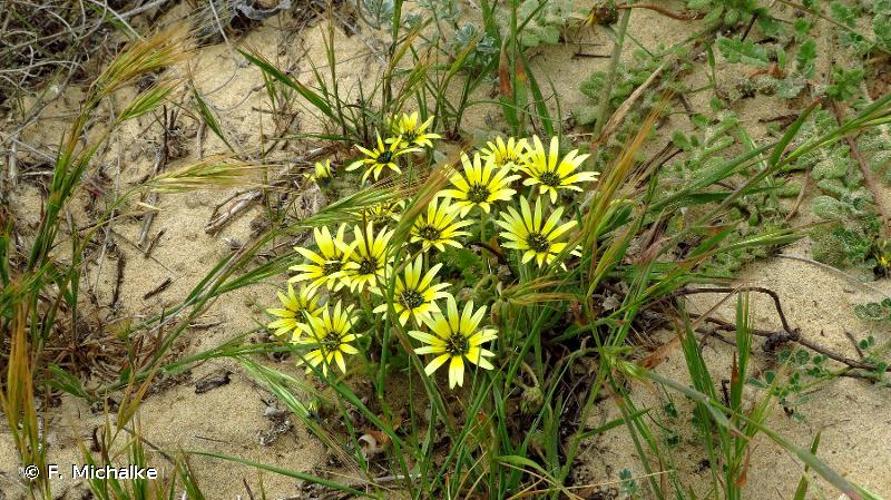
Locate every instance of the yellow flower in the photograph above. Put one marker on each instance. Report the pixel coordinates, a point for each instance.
(325, 267)
(455, 339)
(505, 154)
(527, 232)
(381, 157)
(323, 172)
(330, 335)
(291, 315)
(415, 296)
(382, 213)
(369, 259)
(438, 227)
(407, 128)
(479, 185)
(550, 172)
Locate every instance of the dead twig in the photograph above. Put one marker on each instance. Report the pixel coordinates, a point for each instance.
(619, 115)
(160, 288)
(119, 279)
(881, 202)
(729, 289)
(238, 204)
(152, 244)
(855, 344)
(774, 338)
(160, 162)
(727, 326)
(798, 200)
(686, 16)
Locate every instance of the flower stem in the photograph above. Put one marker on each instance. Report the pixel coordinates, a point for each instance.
(613, 70)
(483, 220)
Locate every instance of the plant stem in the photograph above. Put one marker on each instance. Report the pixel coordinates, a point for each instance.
(484, 217)
(603, 111)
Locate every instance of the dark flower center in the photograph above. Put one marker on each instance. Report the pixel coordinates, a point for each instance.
(538, 242)
(429, 233)
(368, 266)
(410, 135)
(503, 158)
(385, 157)
(332, 266)
(457, 344)
(550, 179)
(411, 299)
(330, 342)
(478, 193)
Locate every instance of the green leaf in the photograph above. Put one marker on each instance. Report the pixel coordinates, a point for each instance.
(266, 67)
(211, 119)
(146, 101)
(279, 470)
(827, 207)
(746, 52)
(830, 166)
(845, 83)
(806, 57)
(871, 311)
(843, 14)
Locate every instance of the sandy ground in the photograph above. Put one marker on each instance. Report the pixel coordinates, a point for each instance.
(231, 418)
(850, 413)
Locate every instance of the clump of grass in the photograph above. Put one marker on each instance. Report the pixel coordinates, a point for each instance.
(18, 400)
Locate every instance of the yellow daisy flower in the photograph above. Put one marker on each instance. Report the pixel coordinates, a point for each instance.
(455, 339)
(411, 132)
(323, 172)
(291, 314)
(330, 335)
(415, 296)
(381, 157)
(527, 232)
(382, 213)
(550, 172)
(505, 154)
(368, 259)
(439, 227)
(325, 267)
(479, 185)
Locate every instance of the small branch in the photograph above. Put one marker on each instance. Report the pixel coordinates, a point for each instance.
(687, 16)
(119, 279)
(855, 344)
(611, 73)
(749, 27)
(774, 338)
(798, 200)
(238, 204)
(160, 288)
(868, 177)
(160, 162)
(760, 289)
(727, 326)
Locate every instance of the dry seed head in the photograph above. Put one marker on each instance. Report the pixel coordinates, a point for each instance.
(162, 50)
(218, 171)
